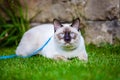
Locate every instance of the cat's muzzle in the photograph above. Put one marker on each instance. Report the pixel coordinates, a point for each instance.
(69, 47)
(67, 39)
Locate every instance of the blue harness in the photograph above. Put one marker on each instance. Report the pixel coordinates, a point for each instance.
(34, 53)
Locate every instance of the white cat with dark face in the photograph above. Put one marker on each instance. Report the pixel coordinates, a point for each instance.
(66, 42)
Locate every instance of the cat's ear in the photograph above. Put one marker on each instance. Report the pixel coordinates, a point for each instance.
(56, 24)
(76, 24)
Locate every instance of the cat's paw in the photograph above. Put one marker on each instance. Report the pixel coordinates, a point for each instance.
(83, 57)
(59, 57)
(21, 53)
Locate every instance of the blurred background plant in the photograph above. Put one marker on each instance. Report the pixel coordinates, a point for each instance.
(12, 28)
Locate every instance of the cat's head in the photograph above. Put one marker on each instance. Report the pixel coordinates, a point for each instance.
(67, 36)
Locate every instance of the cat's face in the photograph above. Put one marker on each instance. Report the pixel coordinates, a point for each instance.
(67, 36)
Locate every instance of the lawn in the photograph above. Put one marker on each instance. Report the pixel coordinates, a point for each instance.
(103, 64)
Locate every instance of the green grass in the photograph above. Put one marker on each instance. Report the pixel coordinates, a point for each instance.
(103, 64)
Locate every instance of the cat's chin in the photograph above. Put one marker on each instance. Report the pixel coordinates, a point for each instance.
(68, 47)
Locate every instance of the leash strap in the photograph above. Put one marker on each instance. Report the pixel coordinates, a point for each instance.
(9, 56)
(34, 53)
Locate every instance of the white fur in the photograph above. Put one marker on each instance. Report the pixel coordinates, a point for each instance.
(37, 36)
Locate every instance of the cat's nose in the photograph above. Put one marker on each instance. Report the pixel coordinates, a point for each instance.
(67, 39)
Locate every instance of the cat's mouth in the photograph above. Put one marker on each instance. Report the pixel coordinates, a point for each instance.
(68, 47)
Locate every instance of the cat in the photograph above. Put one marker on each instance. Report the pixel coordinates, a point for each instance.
(66, 41)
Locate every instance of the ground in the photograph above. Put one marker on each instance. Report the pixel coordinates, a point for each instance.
(103, 64)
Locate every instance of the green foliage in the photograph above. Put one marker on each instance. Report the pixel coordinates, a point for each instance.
(103, 64)
(11, 30)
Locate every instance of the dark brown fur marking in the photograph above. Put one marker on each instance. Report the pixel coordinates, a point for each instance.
(67, 35)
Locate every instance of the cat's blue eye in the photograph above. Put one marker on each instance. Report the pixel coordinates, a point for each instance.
(72, 34)
(61, 35)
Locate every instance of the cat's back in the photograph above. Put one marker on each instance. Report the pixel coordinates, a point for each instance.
(42, 28)
(34, 38)
(38, 34)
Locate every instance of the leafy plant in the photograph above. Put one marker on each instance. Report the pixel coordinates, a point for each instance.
(11, 30)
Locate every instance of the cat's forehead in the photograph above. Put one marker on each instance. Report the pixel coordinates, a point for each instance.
(66, 28)
(66, 25)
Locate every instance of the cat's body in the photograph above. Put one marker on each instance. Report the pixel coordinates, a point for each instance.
(66, 42)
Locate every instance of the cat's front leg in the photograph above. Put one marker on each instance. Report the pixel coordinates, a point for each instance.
(54, 55)
(60, 57)
(83, 57)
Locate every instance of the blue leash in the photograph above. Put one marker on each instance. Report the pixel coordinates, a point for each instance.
(34, 53)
